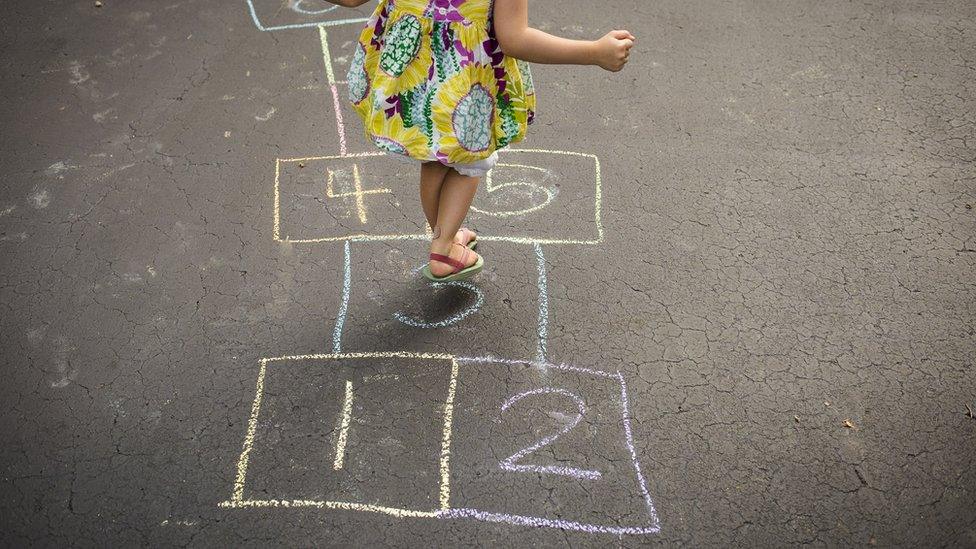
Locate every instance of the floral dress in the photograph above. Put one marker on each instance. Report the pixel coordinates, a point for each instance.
(431, 82)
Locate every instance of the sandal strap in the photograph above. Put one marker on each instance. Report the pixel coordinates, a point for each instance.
(458, 266)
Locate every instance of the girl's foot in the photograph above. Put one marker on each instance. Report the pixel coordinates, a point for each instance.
(466, 237)
(460, 262)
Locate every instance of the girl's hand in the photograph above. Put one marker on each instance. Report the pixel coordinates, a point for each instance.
(613, 50)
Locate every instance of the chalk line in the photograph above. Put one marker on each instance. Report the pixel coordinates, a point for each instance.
(330, 74)
(522, 362)
(252, 425)
(343, 428)
(343, 505)
(655, 522)
(539, 522)
(331, 157)
(442, 356)
(363, 237)
(443, 514)
(341, 356)
(445, 464)
(344, 305)
(598, 201)
(543, 329)
(276, 229)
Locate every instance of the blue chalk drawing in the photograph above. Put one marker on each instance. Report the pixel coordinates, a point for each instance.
(344, 306)
(479, 301)
(543, 304)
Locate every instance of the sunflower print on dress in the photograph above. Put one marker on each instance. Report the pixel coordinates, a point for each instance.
(430, 81)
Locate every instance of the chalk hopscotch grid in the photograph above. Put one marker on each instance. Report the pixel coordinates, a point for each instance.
(261, 27)
(365, 237)
(446, 511)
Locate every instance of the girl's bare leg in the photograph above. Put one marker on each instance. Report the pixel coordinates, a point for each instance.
(456, 194)
(432, 176)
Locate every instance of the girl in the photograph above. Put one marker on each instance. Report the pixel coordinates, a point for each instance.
(446, 82)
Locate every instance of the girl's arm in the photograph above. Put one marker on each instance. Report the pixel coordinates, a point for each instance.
(521, 41)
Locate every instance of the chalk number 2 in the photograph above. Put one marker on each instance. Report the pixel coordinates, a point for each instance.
(511, 463)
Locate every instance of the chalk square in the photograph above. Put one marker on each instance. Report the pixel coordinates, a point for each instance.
(532, 196)
(275, 15)
(540, 196)
(392, 306)
(391, 449)
(546, 445)
(337, 198)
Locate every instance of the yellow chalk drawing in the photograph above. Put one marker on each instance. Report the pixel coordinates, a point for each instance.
(366, 237)
(330, 74)
(345, 356)
(359, 193)
(327, 56)
(252, 426)
(446, 438)
(489, 183)
(344, 428)
(237, 498)
(346, 506)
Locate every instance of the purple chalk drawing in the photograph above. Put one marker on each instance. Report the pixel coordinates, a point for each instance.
(633, 452)
(509, 463)
(539, 522)
(652, 527)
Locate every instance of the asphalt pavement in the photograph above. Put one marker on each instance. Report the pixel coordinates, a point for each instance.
(729, 295)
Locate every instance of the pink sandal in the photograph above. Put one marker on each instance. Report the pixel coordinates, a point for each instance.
(461, 270)
(472, 243)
